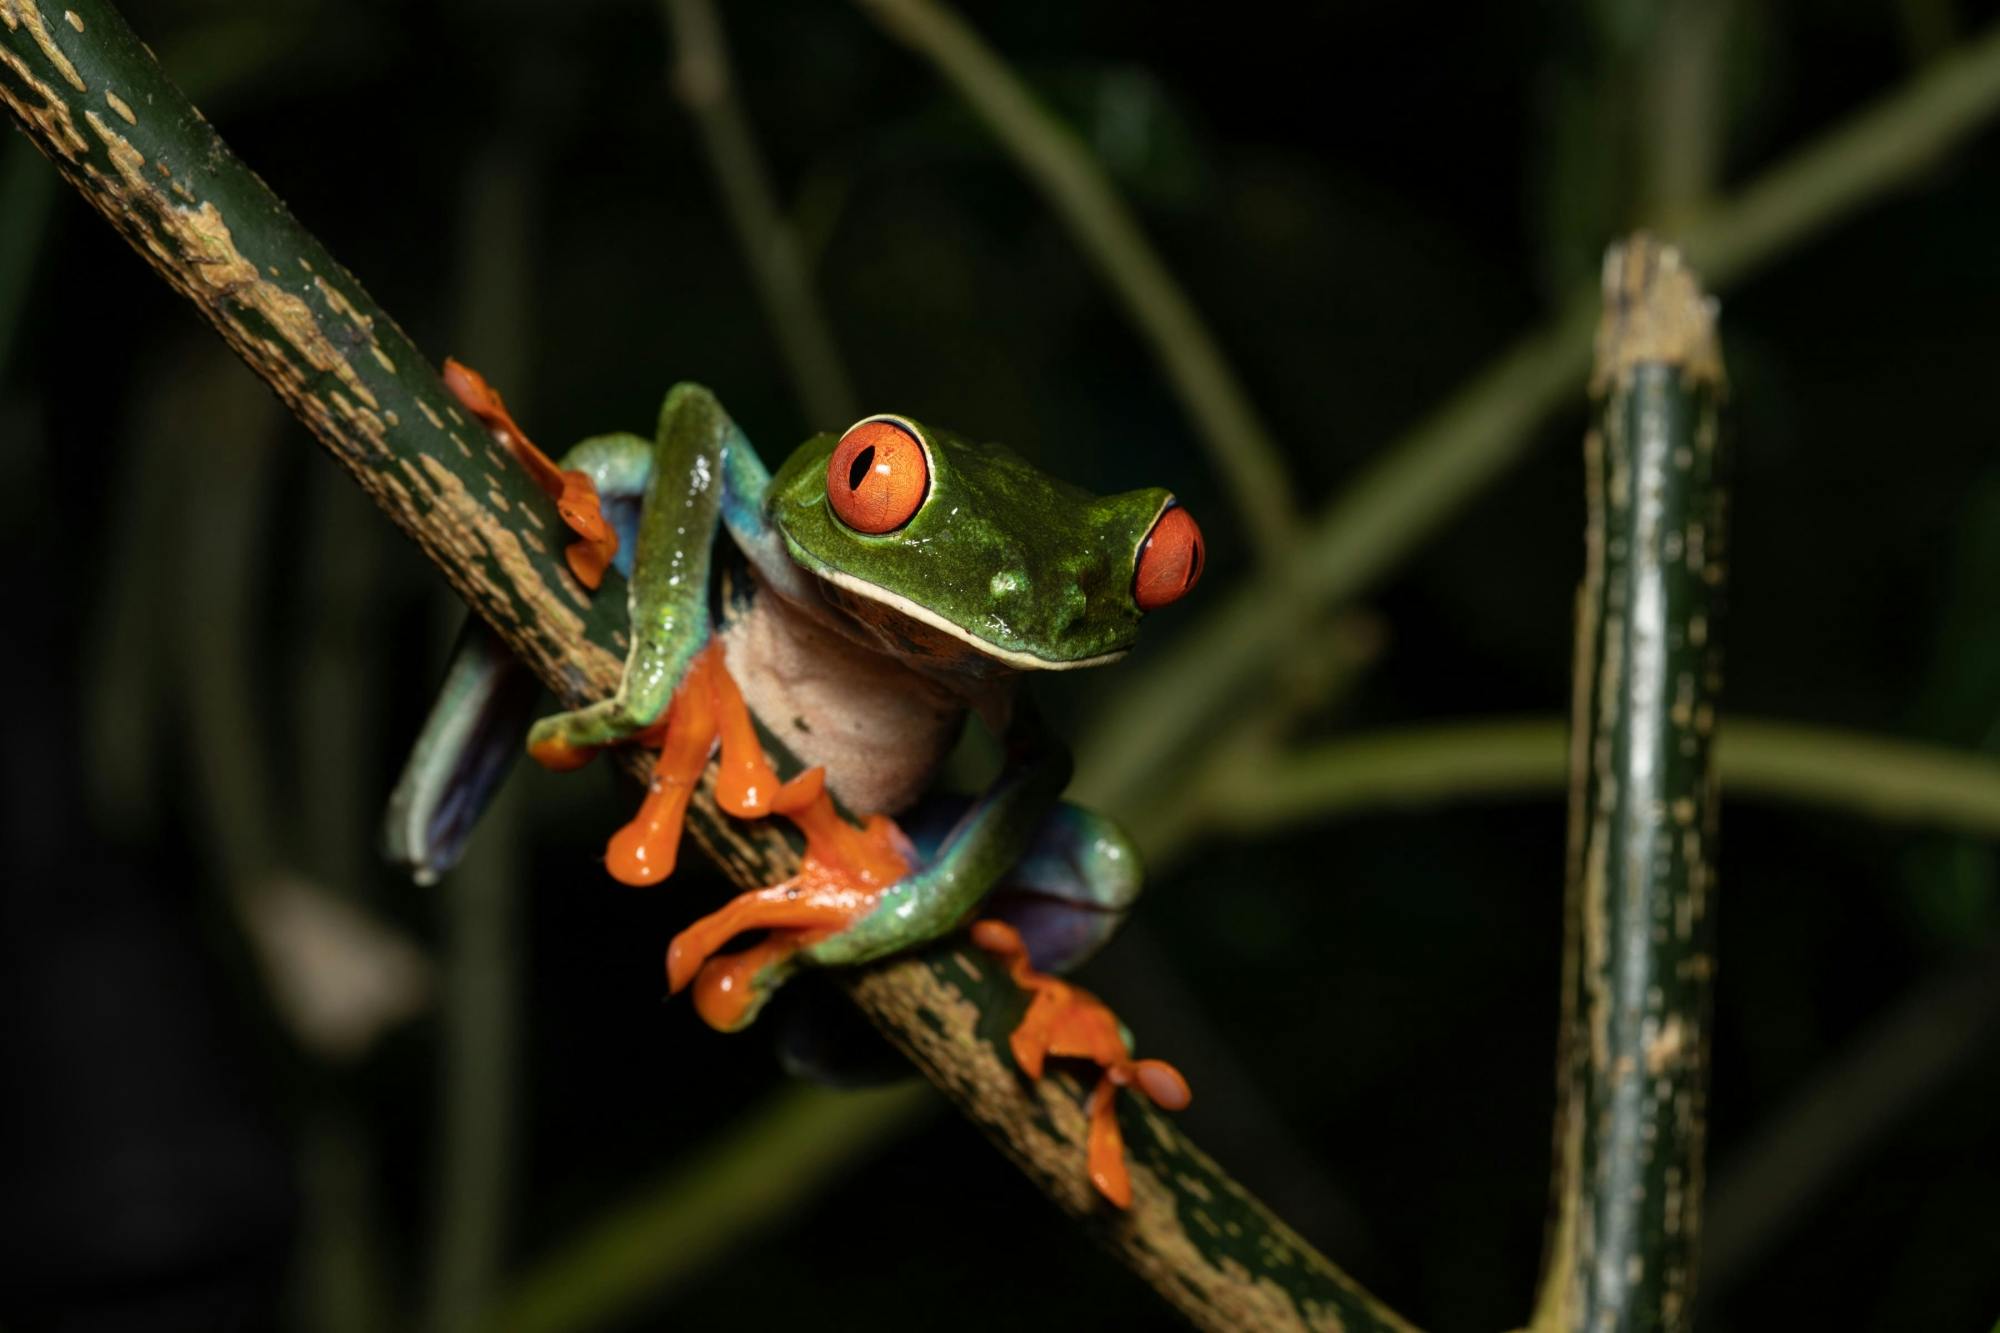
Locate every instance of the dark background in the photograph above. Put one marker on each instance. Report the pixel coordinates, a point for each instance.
(216, 649)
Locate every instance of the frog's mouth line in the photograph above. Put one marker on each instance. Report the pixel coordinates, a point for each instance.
(986, 647)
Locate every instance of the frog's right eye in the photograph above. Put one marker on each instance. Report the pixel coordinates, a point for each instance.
(877, 477)
(1170, 560)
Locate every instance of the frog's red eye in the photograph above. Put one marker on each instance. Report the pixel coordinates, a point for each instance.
(877, 477)
(1169, 562)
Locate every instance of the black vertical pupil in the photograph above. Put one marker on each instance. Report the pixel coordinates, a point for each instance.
(859, 472)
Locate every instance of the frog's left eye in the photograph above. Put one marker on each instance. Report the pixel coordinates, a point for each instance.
(877, 477)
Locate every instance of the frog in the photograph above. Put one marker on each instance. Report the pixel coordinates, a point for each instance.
(888, 581)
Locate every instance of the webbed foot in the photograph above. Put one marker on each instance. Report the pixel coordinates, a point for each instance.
(840, 881)
(575, 495)
(1069, 1022)
(840, 884)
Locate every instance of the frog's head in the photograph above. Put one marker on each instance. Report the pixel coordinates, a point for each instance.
(964, 555)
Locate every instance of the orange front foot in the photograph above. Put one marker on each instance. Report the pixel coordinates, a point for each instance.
(573, 491)
(842, 875)
(1069, 1022)
(840, 880)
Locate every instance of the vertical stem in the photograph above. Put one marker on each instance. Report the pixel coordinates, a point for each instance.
(479, 1016)
(1076, 187)
(1639, 929)
(475, 1122)
(27, 198)
(703, 80)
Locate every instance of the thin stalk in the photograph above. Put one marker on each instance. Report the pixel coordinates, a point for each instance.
(1893, 142)
(1797, 1156)
(27, 198)
(1680, 79)
(345, 1286)
(477, 1068)
(159, 173)
(1883, 778)
(671, 1231)
(1077, 188)
(479, 1017)
(1639, 926)
(704, 81)
(133, 632)
(1166, 706)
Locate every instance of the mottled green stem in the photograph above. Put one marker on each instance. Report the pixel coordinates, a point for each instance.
(1077, 188)
(1632, 1078)
(94, 100)
(704, 81)
(1883, 778)
(1168, 704)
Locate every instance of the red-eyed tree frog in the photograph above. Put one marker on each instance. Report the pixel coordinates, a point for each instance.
(899, 576)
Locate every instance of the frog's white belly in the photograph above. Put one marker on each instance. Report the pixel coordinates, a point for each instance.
(880, 728)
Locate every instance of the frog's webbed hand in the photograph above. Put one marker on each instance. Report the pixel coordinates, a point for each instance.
(857, 897)
(691, 468)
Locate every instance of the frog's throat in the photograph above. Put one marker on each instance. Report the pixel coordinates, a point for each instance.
(986, 647)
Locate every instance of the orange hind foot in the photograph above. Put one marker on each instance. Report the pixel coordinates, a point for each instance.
(1069, 1022)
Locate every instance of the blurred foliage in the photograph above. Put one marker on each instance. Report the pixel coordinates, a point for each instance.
(1365, 203)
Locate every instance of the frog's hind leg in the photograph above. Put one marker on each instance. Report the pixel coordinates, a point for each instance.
(1069, 892)
(468, 743)
(480, 718)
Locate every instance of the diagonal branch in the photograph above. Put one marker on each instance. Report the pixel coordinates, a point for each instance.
(95, 102)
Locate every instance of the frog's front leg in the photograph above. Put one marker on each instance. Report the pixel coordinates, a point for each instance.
(862, 894)
(667, 593)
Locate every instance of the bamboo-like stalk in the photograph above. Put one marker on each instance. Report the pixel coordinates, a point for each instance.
(97, 104)
(1639, 925)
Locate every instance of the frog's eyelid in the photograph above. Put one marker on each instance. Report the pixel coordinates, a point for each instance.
(903, 424)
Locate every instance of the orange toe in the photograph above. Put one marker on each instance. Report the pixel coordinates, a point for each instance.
(1067, 1021)
(1162, 1084)
(573, 491)
(1107, 1145)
